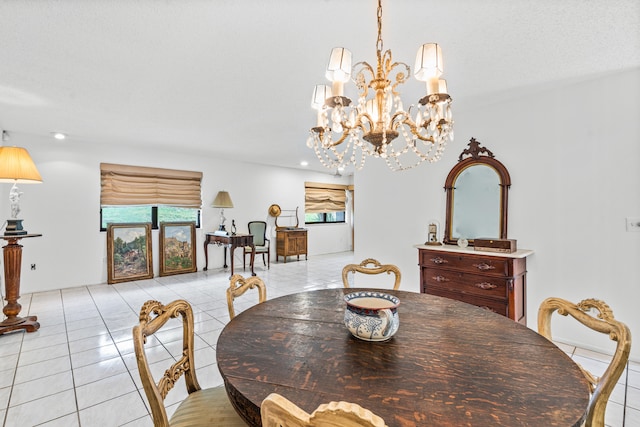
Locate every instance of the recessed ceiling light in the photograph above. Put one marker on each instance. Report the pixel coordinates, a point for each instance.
(304, 163)
(58, 135)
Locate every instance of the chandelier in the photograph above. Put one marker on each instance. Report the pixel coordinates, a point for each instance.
(378, 126)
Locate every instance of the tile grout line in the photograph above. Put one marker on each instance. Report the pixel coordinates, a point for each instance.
(626, 392)
(15, 371)
(66, 332)
(120, 355)
(75, 393)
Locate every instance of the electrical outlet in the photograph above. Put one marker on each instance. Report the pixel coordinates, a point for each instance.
(633, 223)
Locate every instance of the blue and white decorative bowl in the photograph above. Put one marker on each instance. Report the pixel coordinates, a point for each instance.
(371, 316)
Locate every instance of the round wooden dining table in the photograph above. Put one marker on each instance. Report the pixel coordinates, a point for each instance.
(449, 364)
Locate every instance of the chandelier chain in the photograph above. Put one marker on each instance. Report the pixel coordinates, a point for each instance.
(379, 41)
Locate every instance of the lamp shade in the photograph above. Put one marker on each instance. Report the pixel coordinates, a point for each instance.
(320, 95)
(428, 62)
(222, 200)
(339, 67)
(16, 166)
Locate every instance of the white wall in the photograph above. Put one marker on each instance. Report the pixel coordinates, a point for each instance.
(65, 208)
(574, 158)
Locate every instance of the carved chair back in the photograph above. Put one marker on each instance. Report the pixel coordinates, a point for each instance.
(238, 285)
(277, 411)
(202, 407)
(605, 323)
(371, 266)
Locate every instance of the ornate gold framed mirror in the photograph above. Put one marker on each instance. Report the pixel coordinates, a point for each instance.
(477, 190)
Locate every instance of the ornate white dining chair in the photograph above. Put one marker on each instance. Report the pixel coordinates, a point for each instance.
(371, 266)
(278, 411)
(202, 407)
(238, 285)
(605, 323)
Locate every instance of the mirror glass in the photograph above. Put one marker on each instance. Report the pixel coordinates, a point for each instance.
(477, 188)
(476, 203)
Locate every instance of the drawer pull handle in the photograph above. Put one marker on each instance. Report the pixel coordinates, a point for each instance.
(484, 266)
(439, 260)
(485, 285)
(440, 279)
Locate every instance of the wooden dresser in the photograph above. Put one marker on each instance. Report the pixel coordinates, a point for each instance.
(493, 280)
(290, 242)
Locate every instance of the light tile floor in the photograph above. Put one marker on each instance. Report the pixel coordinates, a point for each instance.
(79, 369)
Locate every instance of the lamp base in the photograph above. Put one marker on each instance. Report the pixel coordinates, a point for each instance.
(14, 228)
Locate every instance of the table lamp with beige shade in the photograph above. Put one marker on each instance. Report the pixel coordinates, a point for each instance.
(16, 167)
(222, 200)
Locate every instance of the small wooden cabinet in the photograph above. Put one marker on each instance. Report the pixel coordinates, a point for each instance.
(495, 281)
(290, 242)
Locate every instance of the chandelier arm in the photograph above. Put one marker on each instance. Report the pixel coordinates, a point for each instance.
(395, 64)
(364, 66)
(422, 138)
(360, 123)
(413, 127)
(404, 119)
(384, 64)
(333, 144)
(359, 79)
(401, 77)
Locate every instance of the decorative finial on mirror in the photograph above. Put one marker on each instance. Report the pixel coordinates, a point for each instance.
(474, 150)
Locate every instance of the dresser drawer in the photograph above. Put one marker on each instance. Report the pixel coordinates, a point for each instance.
(488, 304)
(468, 263)
(495, 282)
(465, 283)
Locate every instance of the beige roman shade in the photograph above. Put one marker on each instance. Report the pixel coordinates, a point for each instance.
(323, 198)
(137, 185)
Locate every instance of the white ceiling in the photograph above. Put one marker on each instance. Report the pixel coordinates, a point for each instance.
(233, 78)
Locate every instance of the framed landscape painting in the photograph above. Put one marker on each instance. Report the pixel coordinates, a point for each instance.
(129, 252)
(177, 248)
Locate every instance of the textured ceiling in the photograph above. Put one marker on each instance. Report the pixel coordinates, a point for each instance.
(234, 78)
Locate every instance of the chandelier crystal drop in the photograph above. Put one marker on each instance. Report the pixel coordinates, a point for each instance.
(378, 125)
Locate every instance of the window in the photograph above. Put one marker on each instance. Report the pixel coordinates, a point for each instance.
(324, 203)
(153, 214)
(321, 218)
(141, 194)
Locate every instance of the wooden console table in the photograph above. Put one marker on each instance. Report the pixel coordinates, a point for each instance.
(12, 252)
(232, 242)
(492, 280)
